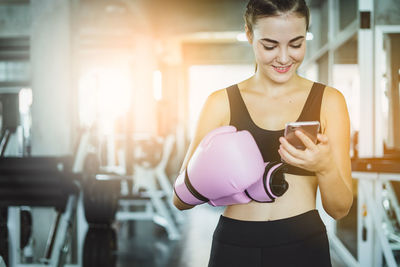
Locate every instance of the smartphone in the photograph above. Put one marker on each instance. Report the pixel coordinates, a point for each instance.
(310, 128)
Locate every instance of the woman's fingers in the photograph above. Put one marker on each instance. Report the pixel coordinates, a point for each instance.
(305, 139)
(288, 147)
(303, 158)
(288, 158)
(322, 138)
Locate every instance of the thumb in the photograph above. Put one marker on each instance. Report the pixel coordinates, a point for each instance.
(322, 138)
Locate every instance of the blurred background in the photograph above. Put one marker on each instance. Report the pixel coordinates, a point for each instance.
(98, 103)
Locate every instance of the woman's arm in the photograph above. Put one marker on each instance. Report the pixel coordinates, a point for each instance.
(335, 181)
(330, 158)
(215, 113)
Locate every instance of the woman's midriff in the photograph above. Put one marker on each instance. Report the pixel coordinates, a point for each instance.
(299, 198)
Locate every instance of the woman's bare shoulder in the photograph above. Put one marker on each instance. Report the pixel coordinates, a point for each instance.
(219, 95)
(218, 105)
(332, 96)
(333, 106)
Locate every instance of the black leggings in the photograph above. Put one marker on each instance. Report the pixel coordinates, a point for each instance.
(296, 241)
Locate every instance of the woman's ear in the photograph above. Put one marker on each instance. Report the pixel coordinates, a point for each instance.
(249, 34)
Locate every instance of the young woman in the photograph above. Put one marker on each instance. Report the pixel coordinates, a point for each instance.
(289, 231)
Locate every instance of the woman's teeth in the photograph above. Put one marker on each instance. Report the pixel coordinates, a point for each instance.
(282, 69)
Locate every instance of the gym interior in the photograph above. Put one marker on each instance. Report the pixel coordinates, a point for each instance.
(99, 100)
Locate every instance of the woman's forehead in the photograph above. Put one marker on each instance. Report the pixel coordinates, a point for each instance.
(280, 27)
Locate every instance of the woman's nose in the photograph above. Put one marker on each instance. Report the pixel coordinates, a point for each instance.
(283, 57)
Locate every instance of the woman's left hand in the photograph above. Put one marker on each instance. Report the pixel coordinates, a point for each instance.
(315, 158)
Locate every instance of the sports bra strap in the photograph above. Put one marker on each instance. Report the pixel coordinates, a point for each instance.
(312, 107)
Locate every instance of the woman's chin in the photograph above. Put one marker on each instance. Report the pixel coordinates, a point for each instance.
(278, 77)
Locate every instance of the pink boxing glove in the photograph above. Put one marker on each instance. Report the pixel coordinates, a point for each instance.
(266, 189)
(271, 186)
(225, 163)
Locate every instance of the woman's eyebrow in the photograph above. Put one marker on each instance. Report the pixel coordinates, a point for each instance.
(275, 42)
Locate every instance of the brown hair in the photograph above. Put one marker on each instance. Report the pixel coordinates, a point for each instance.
(266, 8)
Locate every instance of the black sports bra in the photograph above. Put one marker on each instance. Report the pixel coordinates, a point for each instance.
(267, 140)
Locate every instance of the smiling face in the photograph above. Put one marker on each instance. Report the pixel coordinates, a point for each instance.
(279, 44)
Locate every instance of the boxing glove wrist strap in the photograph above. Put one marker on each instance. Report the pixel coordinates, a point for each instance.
(193, 191)
(272, 184)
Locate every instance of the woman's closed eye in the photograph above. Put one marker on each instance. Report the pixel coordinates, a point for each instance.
(295, 46)
(272, 47)
(268, 47)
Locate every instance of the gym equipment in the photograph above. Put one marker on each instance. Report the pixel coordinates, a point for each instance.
(100, 198)
(227, 168)
(152, 189)
(378, 214)
(26, 227)
(5, 138)
(40, 182)
(30, 184)
(100, 247)
(271, 186)
(10, 111)
(10, 119)
(4, 234)
(218, 167)
(2, 263)
(382, 165)
(101, 189)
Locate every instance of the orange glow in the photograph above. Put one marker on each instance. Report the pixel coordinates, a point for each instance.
(105, 95)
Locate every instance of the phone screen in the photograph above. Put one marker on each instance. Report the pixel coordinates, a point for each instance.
(309, 128)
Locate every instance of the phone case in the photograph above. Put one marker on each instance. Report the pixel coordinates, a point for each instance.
(310, 128)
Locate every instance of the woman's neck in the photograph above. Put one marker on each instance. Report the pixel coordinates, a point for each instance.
(268, 87)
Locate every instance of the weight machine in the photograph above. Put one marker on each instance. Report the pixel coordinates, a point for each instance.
(111, 194)
(151, 187)
(27, 182)
(38, 182)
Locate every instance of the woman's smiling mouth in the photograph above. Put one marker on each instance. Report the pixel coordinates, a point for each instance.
(283, 69)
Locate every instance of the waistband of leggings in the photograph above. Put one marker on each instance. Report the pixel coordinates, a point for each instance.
(269, 233)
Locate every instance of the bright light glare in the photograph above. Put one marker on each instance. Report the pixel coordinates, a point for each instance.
(346, 79)
(25, 100)
(309, 36)
(157, 85)
(241, 37)
(104, 96)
